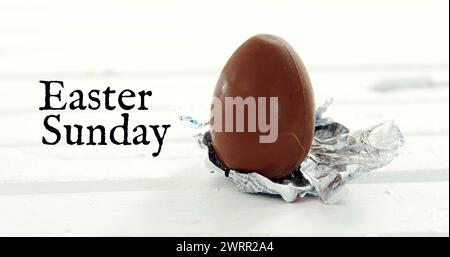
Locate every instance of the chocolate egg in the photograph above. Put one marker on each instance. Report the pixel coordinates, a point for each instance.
(263, 68)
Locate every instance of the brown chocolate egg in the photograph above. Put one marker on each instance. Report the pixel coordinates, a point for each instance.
(276, 135)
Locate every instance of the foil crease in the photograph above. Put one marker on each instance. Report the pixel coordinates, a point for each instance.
(337, 156)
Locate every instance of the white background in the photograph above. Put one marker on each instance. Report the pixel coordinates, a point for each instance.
(177, 49)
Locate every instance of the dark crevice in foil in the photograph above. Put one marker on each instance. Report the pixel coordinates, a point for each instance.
(212, 154)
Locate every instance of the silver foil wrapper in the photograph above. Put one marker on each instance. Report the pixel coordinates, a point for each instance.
(337, 156)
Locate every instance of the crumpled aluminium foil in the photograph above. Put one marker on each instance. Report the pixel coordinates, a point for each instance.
(336, 157)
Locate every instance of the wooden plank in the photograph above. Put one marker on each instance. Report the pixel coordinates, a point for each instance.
(187, 89)
(216, 208)
(422, 158)
(26, 128)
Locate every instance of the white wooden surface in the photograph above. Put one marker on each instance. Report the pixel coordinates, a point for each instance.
(177, 50)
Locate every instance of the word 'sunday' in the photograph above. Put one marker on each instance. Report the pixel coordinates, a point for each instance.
(118, 135)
